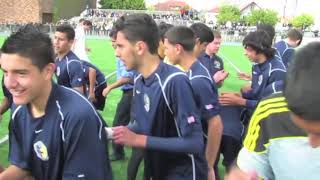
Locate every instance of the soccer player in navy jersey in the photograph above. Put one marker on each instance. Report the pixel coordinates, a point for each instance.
(96, 83)
(76, 73)
(179, 44)
(165, 117)
(54, 132)
(286, 126)
(267, 72)
(285, 48)
(69, 69)
(204, 36)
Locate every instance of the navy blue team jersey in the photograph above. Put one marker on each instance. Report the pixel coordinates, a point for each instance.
(265, 78)
(284, 51)
(164, 110)
(100, 78)
(69, 71)
(213, 64)
(99, 86)
(68, 142)
(205, 93)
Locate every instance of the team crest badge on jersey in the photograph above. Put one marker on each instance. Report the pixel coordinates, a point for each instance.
(58, 71)
(41, 150)
(146, 100)
(260, 79)
(217, 64)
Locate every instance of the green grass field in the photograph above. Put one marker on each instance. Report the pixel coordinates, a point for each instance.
(102, 56)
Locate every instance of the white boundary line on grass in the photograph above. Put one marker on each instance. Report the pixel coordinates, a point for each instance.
(230, 62)
(6, 137)
(111, 74)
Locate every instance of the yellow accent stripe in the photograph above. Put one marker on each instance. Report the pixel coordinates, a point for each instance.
(268, 101)
(253, 134)
(261, 108)
(264, 102)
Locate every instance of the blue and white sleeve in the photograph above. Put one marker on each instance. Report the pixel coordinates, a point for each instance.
(207, 96)
(84, 147)
(181, 101)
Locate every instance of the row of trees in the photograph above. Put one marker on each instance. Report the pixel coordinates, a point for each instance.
(123, 4)
(227, 13)
(265, 16)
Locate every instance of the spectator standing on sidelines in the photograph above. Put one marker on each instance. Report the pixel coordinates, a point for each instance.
(79, 44)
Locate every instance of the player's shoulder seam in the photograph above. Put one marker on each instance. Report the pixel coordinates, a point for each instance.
(171, 77)
(16, 111)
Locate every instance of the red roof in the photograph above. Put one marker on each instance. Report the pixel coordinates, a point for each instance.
(171, 5)
(214, 10)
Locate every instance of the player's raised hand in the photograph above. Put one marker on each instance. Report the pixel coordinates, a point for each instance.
(246, 88)
(106, 91)
(220, 76)
(244, 76)
(229, 99)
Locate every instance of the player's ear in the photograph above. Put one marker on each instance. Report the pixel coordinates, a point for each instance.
(178, 48)
(140, 47)
(71, 41)
(298, 42)
(197, 42)
(48, 70)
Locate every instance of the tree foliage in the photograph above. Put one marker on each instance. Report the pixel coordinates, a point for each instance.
(303, 21)
(228, 13)
(264, 16)
(123, 4)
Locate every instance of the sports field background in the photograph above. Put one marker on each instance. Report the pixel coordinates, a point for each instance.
(102, 55)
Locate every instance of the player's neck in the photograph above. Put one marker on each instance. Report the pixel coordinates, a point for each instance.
(261, 59)
(290, 42)
(149, 65)
(209, 54)
(62, 55)
(39, 104)
(187, 59)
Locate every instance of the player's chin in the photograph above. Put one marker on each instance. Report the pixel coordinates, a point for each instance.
(21, 100)
(128, 68)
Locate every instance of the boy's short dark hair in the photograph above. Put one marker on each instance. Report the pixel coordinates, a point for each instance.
(302, 85)
(68, 30)
(181, 35)
(30, 42)
(163, 28)
(295, 35)
(268, 29)
(261, 42)
(139, 27)
(203, 32)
